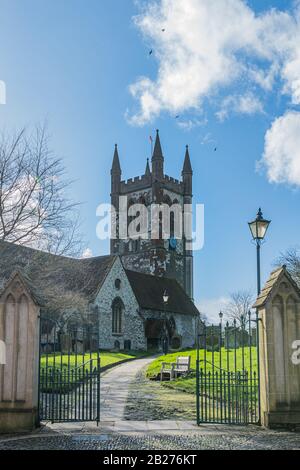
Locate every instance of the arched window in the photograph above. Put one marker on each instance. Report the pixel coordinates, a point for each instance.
(117, 316)
(160, 235)
(142, 200)
(167, 200)
(172, 224)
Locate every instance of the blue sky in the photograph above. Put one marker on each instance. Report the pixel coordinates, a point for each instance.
(78, 64)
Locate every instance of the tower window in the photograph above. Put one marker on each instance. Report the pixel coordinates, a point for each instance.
(172, 224)
(117, 284)
(160, 236)
(117, 316)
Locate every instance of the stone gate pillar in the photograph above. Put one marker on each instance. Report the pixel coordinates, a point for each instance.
(19, 332)
(279, 342)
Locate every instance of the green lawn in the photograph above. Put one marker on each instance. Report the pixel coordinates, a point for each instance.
(106, 358)
(231, 360)
(64, 372)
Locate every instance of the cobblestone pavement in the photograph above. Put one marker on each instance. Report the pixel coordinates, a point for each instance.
(223, 440)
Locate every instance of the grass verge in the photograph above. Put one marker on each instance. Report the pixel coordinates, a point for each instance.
(230, 360)
(61, 373)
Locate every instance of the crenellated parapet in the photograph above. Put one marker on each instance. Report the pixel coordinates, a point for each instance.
(137, 183)
(173, 184)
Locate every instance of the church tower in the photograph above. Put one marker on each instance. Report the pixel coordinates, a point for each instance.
(163, 256)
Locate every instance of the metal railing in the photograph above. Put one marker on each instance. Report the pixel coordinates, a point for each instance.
(69, 378)
(227, 374)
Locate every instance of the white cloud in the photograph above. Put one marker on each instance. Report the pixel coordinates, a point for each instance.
(211, 308)
(207, 46)
(281, 156)
(264, 78)
(87, 253)
(189, 124)
(244, 104)
(208, 139)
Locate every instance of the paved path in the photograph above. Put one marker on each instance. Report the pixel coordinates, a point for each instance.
(115, 387)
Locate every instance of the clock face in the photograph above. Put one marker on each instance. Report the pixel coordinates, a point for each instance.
(173, 243)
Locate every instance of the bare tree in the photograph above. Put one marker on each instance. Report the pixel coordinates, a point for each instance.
(61, 285)
(291, 258)
(239, 305)
(34, 208)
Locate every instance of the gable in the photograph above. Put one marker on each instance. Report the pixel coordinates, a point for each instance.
(17, 287)
(111, 290)
(280, 281)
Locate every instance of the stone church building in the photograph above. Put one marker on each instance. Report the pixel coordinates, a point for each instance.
(140, 295)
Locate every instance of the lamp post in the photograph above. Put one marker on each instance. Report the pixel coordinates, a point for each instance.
(258, 229)
(165, 301)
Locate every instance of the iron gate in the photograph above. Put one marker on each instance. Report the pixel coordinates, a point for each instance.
(69, 373)
(227, 373)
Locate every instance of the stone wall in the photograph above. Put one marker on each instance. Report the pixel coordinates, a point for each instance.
(132, 324)
(134, 318)
(279, 332)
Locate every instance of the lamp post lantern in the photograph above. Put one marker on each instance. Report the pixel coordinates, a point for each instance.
(258, 229)
(165, 297)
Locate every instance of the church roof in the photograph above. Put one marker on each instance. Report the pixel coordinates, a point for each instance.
(149, 292)
(56, 281)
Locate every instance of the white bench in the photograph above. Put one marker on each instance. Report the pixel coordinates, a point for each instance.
(182, 366)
